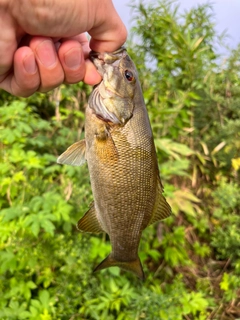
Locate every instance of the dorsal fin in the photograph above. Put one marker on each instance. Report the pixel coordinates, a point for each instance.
(89, 222)
(74, 155)
(162, 209)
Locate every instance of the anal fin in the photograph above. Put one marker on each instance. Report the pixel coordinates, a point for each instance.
(75, 155)
(89, 222)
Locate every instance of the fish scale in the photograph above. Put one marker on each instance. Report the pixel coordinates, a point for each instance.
(122, 162)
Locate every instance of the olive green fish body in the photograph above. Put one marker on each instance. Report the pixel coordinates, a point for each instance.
(122, 162)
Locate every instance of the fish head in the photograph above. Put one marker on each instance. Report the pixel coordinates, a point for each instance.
(113, 98)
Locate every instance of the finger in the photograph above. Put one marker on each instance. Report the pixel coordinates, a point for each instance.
(83, 40)
(72, 59)
(91, 77)
(72, 54)
(25, 79)
(49, 66)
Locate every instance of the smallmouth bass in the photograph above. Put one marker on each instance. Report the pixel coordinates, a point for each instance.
(122, 162)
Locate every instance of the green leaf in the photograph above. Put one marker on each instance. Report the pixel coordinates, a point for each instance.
(44, 297)
(224, 285)
(173, 148)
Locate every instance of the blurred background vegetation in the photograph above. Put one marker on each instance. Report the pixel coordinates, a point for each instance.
(192, 260)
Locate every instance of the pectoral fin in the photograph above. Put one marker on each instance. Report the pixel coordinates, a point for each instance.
(89, 222)
(74, 155)
(134, 266)
(105, 148)
(162, 209)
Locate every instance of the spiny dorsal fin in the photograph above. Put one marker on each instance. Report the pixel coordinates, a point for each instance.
(162, 209)
(134, 266)
(74, 155)
(89, 222)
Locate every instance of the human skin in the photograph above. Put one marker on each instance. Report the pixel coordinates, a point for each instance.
(43, 42)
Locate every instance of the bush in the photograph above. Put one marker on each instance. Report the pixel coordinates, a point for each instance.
(192, 259)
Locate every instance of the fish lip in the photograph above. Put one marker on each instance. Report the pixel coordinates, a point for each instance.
(103, 55)
(99, 59)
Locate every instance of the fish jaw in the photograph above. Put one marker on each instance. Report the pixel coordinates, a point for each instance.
(100, 58)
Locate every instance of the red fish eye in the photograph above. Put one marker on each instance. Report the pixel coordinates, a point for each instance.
(129, 75)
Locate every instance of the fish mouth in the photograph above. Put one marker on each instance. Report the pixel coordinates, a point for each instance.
(99, 59)
(107, 57)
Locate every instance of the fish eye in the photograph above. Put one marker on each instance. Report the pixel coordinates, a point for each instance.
(129, 75)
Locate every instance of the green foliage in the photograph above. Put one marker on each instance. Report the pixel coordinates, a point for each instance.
(226, 238)
(192, 259)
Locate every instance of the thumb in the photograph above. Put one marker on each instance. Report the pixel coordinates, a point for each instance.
(108, 32)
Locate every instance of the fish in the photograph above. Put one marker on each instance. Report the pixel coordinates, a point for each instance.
(121, 157)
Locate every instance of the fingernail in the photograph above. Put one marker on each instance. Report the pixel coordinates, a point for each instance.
(46, 53)
(73, 58)
(29, 64)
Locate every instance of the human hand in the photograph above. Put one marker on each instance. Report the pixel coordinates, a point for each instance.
(43, 43)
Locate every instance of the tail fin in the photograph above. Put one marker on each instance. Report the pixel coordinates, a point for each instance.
(132, 266)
